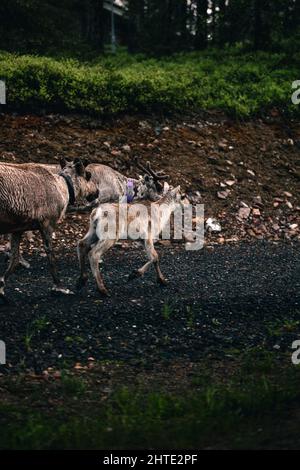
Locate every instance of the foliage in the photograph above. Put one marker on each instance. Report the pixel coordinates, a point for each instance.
(238, 83)
(228, 411)
(157, 27)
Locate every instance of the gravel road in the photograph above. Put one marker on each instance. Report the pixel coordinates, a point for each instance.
(218, 301)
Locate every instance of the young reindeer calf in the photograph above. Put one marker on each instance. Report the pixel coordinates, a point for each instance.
(148, 228)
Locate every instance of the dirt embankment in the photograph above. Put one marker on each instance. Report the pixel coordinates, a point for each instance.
(246, 174)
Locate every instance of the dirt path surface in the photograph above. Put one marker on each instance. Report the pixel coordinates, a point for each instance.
(217, 302)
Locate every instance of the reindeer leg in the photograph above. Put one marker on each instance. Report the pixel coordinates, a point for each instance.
(140, 272)
(21, 260)
(13, 262)
(94, 257)
(83, 248)
(153, 259)
(46, 232)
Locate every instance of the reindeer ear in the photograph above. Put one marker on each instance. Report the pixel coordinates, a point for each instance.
(175, 191)
(62, 162)
(80, 170)
(166, 188)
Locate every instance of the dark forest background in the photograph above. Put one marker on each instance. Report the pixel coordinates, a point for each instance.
(152, 26)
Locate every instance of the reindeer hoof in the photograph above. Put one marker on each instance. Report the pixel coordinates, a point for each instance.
(162, 281)
(104, 293)
(134, 275)
(24, 263)
(61, 290)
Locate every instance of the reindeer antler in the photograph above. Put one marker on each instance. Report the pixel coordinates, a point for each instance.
(156, 175)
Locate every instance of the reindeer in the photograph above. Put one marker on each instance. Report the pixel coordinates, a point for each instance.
(96, 243)
(53, 168)
(112, 186)
(36, 199)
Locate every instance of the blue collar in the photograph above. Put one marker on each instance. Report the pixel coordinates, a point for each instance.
(130, 190)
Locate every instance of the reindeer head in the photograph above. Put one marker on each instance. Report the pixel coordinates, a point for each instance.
(150, 185)
(173, 194)
(79, 179)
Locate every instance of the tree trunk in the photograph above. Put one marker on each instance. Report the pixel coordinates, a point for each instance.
(136, 23)
(213, 22)
(222, 27)
(99, 25)
(92, 22)
(257, 25)
(201, 25)
(183, 15)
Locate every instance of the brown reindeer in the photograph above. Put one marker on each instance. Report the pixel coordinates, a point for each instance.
(53, 168)
(33, 198)
(151, 223)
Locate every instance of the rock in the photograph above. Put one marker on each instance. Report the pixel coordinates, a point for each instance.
(244, 213)
(116, 153)
(144, 125)
(287, 194)
(223, 145)
(251, 233)
(213, 159)
(126, 148)
(164, 242)
(289, 205)
(78, 366)
(232, 240)
(251, 172)
(213, 225)
(257, 201)
(293, 226)
(189, 237)
(223, 194)
(230, 182)
(256, 212)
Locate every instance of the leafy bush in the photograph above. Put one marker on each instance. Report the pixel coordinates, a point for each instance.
(241, 85)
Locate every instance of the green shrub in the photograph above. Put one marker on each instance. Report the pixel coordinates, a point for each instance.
(239, 84)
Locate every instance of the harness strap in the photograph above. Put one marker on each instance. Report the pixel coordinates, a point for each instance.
(71, 190)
